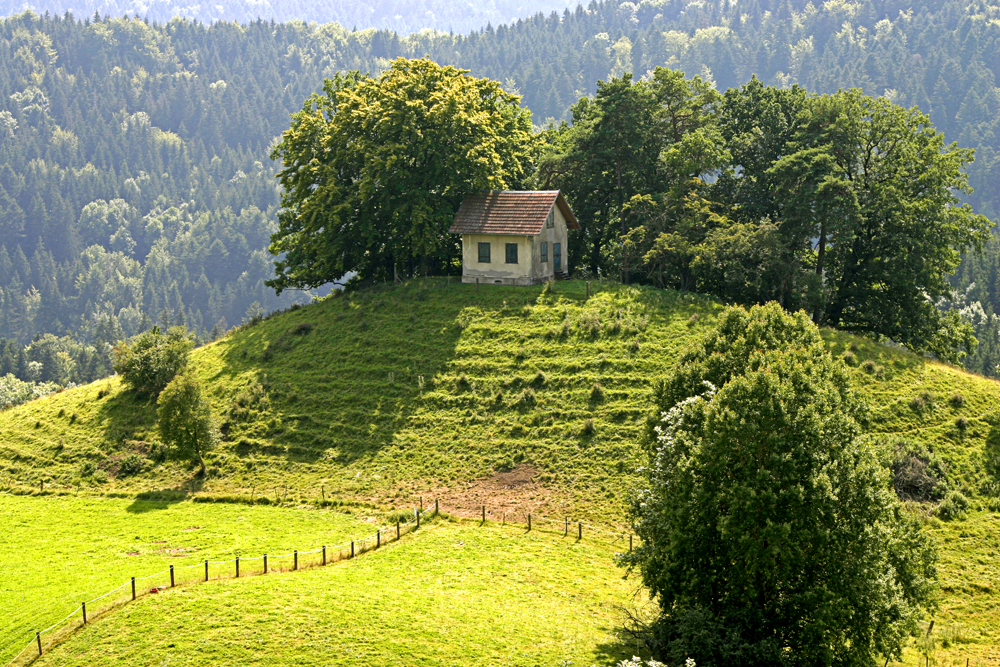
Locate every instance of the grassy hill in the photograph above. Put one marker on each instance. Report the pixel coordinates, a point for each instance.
(419, 389)
(522, 399)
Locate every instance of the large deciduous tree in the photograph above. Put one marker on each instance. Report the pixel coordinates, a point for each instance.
(865, 195)
(375, 168)
(770, 531)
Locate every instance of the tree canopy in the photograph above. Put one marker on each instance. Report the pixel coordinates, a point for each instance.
(185, 419)
(374, 170)
(771, 533)
(843, 204)
(148, 362)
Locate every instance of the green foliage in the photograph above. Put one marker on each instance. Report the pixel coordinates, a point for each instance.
(917, 472)
(148, 362)
(769, 523)
(185, 419)
(864, 176)
(374, 170)
(954, 506)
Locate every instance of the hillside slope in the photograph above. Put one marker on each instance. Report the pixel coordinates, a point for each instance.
(413, 389)
(431, 386)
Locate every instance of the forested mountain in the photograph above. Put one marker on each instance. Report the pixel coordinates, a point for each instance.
(135, 183)
(402, 16)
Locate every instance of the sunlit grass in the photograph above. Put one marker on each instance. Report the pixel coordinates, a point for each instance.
(61, 551)
(449, 594)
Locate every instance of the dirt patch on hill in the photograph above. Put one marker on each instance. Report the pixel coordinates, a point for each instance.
(513, 494)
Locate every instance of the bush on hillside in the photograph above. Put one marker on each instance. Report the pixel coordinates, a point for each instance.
(185, 419)
(917, 473)
(769, 531)
(954, 506)
(150, 361)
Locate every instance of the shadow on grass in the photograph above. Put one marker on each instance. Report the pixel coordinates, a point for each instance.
(150, 501)
(124, 415)
(343, 377)
(612, 652)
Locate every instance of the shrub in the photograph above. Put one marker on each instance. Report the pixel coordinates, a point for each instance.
(540, 379)
(961, 424)
(850, 358)
(954, 506)
(130, 465)
(150, 361)
(588, 428)
(956, 401)
(917, 473)
(868, 366)
(922, 401)
(757, 442)
(597, 393)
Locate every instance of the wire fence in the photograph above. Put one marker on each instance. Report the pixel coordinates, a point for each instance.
(237, 567)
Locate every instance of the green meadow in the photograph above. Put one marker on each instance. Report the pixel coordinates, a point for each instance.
(64, 550)
(451, 593)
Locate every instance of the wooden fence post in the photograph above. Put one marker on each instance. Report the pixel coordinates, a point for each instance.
(529, 521)
(484, 513)
(323, 491)
(206, 570)
(421, 503)
(579, 534)
(378, 538)
(265, 563)
(38, 638)
(630, 543)
(397, 529)
(418, 519)
(83, 605)
(435, 507)
(352, 548)
(171, 576)
(237, 567)
(296, 565)
(566, 527)
(133, 588)
(324, 554)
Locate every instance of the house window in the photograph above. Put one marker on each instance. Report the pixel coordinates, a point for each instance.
(484, 253)
(512, 253)
(550, 221)
(545, 251)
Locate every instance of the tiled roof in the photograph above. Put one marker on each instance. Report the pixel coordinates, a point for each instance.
(520, 213)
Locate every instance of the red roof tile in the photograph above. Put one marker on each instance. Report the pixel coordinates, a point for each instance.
(520, 213)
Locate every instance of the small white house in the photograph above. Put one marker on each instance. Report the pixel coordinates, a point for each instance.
(514, 237)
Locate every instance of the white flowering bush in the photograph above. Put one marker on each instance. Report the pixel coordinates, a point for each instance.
(14, 391)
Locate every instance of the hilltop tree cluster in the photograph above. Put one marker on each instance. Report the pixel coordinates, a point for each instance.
(844, 204)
